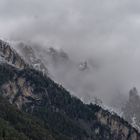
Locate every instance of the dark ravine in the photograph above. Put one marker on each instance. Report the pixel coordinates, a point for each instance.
(61, 115)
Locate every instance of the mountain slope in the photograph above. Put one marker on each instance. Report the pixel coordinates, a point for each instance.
(17, 125)
(52, 113)
(63, 113)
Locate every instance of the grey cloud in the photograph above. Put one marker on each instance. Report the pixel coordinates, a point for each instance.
(105, 30)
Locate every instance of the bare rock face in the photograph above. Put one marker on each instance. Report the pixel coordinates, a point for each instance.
(119, 128)
(21, 92)
(17, 91)
(9, 55)
(30, 57)
(40, 58)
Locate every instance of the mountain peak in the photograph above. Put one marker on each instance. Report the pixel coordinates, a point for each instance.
(10, 56)
(133, 94)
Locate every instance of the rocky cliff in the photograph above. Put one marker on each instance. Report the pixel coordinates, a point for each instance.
(131, 110)
(10, 55)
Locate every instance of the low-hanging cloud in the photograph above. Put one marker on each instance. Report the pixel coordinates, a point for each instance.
(105, 30)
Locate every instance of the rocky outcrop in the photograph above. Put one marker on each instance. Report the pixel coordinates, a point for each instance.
(119, 128)
(17, 92)
(20, 92)
(131, 110)
(40, 58)
(9, 55)
(30, 57)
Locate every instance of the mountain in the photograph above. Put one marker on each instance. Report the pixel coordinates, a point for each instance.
(39, 57)
(34, 107)
(9, 55)
(30, 57)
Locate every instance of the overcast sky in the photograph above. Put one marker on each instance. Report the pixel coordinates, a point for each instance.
(104, 25)
(106, 30)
